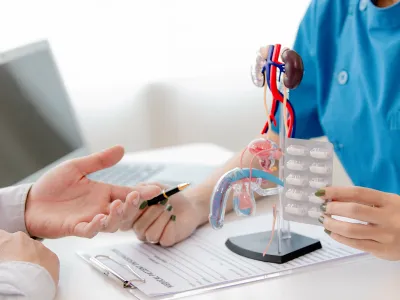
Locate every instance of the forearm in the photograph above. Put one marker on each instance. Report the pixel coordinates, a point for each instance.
(22, 280)
(201, 194)
(12, 208)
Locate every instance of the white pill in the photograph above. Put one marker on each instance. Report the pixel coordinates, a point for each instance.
(320, 168)
(320, 153)
(314, 213)
(296, 165)
(296, 150)
(297, 180)
(314, 199)
(318, 183)
(295, 194)
(296, 210)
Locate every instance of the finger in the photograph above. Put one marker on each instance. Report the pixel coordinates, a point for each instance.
(149, 191)
(154, 232)
(146, 219)
(352, 230)
(363, 245)
(142, 208)
(354, 194)
(169, 236)
(146, 191)
(130, 210)
(160, 185)
(163, 187)
(89, 229)
(119, 192)
(355, 211)
(99, 160)
(114, 219)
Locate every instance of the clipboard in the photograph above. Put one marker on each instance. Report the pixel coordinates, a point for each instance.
(96, 261)
(126, 283)
(129, 284)
(112, 265)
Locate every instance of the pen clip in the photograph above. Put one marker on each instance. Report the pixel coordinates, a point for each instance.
(107, 270)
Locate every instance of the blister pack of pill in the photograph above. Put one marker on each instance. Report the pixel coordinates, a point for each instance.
(308, 167)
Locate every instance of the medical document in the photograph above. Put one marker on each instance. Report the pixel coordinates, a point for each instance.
(204, 261)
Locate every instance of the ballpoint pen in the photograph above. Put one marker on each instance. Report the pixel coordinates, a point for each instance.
(163, 197)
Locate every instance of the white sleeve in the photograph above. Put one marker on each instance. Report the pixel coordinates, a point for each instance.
(12, 208)
(23, 280)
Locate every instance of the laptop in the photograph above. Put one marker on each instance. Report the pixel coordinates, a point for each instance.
(38, 127)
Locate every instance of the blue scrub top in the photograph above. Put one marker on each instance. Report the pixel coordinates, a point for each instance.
(351, 87)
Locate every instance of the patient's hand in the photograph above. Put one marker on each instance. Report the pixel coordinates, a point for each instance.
(65, 202)
(166, 224)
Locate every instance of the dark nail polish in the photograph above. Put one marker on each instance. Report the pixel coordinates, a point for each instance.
(173, 217)
(327, 231)
(143, 205)
(320, 193)
(163, 202)
(321, 219)
(323, 207)
(169, 207)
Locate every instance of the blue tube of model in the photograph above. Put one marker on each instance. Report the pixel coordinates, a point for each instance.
(224, 185)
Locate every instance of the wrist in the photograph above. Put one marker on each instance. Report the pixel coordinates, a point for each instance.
(199, 196)
(13, 201)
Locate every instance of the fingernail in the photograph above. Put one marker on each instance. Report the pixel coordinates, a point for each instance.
(327, 232)
(323, 207)
(120, 210)
(143, 205)
(320, 193)
(173, 218)
(321, 219)
(135, 202)
(169, 207)
(103, 221)
(163, 202)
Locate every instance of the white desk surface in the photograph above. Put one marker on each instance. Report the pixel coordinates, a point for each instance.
(366, 278)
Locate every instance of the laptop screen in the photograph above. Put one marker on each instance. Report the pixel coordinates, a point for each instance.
(37, 123)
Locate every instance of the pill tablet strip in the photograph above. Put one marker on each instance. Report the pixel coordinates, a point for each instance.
(307, 167)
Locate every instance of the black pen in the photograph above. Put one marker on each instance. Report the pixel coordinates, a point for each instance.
(163, 197)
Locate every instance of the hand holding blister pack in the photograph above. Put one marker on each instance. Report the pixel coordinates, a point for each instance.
(307, 167)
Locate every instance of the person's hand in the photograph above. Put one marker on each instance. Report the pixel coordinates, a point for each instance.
(165, 223)
(381, 211)
(20, 247)
(64, 202)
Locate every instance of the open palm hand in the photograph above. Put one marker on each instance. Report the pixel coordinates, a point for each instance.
(64, 202)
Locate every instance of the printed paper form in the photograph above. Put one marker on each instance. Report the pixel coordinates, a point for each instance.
(203, 260)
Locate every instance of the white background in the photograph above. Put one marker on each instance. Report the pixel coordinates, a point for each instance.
(121, 43)
(155, 73)
(107, 49)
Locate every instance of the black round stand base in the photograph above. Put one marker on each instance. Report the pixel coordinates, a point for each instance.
(253, 245)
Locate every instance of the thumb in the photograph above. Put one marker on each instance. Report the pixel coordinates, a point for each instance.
(99, 160)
